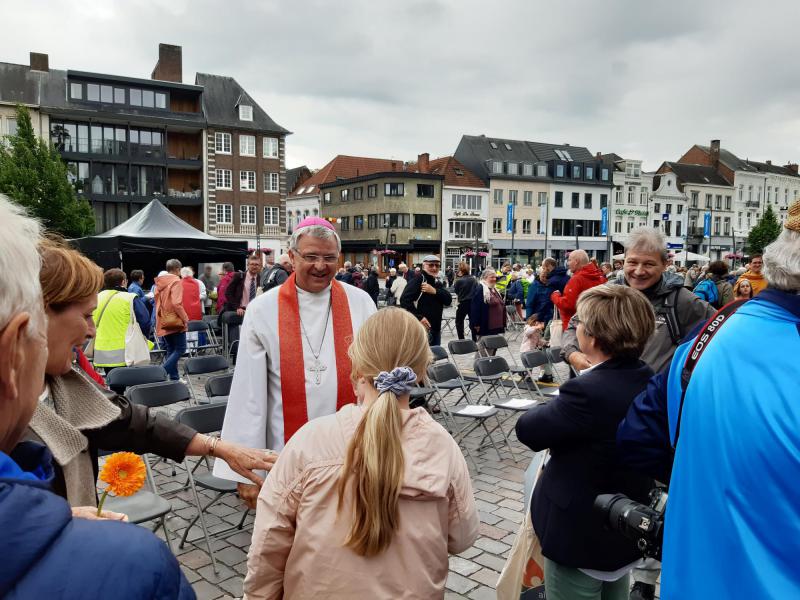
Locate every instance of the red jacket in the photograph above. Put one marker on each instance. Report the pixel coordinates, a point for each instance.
(584, 278)
(221, 288)
(191, 299)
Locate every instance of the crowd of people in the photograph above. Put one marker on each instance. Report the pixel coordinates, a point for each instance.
(371, 496)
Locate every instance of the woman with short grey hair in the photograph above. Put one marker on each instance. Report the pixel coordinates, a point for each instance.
(487, 314)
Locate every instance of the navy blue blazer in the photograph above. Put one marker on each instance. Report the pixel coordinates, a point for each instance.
(579, 426)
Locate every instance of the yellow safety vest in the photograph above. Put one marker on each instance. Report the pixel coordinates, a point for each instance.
(109, 343)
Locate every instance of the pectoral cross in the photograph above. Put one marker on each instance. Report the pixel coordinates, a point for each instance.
(317, 368)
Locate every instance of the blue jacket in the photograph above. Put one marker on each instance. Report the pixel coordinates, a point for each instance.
(732, 526)
(538, 301)
(514, 291)
(51, 555)
(479, 314)
(135, 288)
(558, 279)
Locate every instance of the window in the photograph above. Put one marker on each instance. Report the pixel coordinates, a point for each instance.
(425, 222)
(513, 168)
(576, 200)
(358, 222)
(271, 214)
(135, 97)
(497, 226)
(78, 175)
(466, 202)
(396, 220)
(587, 201)
(559, 199)
(604, 174)
(695, 199)
(224, 214)
(161, 100)
(372, 221)
(270, 147)
(631, 192)
(466, 229)
(119, 95)
(493, 145)
(618, 195)
(245, 112)
(344, 195)
(76, 91)
(727, 202)
(326, 197)
(222, 142)
(708, 201)
(93, 92)
(247, 181)
(542, 198)
(148, 98)
(527, 169)
(589, 172)
(668, 209)
(224, 179)
(497, 166)
(632, 169)
(618, 226)
(657, 207)
(678, 225)
(358, 193)
(718, 203)
(526, 226)
(716, 225)
(559, 170)
(394, 189)
(727, 226)
(247, 214)
(541, 170)
(576, 172)
(512, 197)
(749, 194)
(424, 190)
(643, 196)
(667, 227)
(372, 191)
(630, 225)
(271, 182)
(498, 196)
(507, 145)
(247, 145)
(344, 223)
(527, 198)
(656, 223)
(603, 200)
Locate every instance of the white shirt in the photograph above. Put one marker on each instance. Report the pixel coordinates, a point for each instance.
(254, 416)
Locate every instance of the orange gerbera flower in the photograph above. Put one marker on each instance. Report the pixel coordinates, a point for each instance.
(124, 472)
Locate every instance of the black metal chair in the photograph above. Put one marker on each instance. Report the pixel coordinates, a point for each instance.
(202, 328)
(218, 387)
(463, 348)
(498, 342)
(204, 365)
(160, 393)
(492, 372)
(229, 320)
(121, 378)
(515, 323)
(554, 354)
(439, 353)
(536, 359)
(207, 419)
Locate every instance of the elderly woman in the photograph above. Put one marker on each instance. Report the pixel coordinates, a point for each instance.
(583, 558)
(75, 417)
(487, 313)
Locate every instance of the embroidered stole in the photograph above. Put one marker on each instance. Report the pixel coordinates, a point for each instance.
(293, 387)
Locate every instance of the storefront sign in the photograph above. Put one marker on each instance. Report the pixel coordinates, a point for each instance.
(466, 213)
(631, 211)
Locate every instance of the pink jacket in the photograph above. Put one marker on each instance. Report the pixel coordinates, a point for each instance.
(298, 548)
(531, 339)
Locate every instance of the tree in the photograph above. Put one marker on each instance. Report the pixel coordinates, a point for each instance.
(764, 233)
(33, 174)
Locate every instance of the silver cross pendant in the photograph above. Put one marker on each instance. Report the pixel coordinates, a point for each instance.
(317, 368)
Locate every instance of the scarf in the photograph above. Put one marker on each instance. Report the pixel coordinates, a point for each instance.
(290, 339)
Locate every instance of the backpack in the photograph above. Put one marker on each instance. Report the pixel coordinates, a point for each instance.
(668, 311)
(707, 290)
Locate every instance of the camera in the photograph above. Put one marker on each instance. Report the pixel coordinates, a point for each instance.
(643, 523)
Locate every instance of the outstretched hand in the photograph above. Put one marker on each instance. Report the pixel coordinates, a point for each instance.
(244, 461)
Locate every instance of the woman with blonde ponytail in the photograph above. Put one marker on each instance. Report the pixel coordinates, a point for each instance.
(369, 502)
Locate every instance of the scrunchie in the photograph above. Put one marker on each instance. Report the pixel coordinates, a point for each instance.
(400, 381)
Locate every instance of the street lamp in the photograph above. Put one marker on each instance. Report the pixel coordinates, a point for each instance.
(578, 228)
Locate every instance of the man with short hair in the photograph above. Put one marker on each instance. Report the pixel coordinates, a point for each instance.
(171, 318)
(210, 281)
(228, 272)
(503, 279)
(754, 275)
(278, 274)
(243, 286)
(585, 275)
(292, 363)
(426, 296)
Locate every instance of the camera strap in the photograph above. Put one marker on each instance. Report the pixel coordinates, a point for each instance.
(700, 344)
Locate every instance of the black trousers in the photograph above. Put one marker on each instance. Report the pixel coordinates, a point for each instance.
(461, 312)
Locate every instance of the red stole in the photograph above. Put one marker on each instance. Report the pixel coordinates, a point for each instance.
(290, 338)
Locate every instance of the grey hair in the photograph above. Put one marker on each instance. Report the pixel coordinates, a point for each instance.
(172, 264)
(187, 272)
(317, 231)
(782, 262)
(649, 240)
(484, 275)
(20, 264)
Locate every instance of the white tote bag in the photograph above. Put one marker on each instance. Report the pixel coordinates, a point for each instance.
(556, 329)
(137, 349)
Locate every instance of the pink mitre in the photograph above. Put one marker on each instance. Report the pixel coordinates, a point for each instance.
(312, 221)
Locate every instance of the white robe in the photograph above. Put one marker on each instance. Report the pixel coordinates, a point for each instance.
(254, 416)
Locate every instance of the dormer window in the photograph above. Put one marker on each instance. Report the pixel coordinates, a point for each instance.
(245, 112)
(508, 146)
(513, 168)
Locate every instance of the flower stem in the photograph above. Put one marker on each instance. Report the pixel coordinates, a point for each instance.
(100, 504)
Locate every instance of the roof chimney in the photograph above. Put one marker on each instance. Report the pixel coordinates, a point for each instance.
(40, 62)
(769, 162)
(170, 64)
(714, 151)
(792, 167)
(394, 166)
(598, 156)
(424, 163)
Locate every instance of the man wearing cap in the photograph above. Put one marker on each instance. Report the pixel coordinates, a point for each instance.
(425, 297)
(292, 364)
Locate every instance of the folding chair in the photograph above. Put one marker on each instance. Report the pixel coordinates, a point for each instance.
(446, 379)
(554, 354)
(203, 365)
(439, 353)
(498, 342)
(533, 359)
(157, 353)
(145, 505)
(207, 419)
(492, 371)
(122, 378)
(213, 323)
(229, 319)
(202, 327)
(218, 387)
(463, 348)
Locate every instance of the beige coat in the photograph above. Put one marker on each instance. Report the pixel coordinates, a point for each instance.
(297, 549)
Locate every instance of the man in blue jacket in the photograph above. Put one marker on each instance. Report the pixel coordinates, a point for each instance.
(48, 553)
(732, 525)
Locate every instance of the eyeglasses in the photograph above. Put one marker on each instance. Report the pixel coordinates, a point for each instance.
(328, 259)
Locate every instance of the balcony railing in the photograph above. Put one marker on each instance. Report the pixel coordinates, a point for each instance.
(752, 203)
(224, 228)
(272, 230)
(247, 229)
(696, 232)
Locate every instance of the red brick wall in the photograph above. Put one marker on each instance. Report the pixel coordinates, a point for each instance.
(696, 156)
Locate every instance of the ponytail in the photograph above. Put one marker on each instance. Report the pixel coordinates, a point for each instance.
(375, 464)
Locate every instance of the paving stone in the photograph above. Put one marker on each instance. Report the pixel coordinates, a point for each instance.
(491, 561)
(482, 593)
(485, 506)
(488, 497)
(208, 574)
(206, 591)
(191, 576)
(514, 505)
(488, 518)
(195, 559)
(240, 539)
(487, 577)
(459, 584)
(492, 546)
(462, 566)
(509, 526)
(233, 586)
(512, 515)
(470, 552)
(230, 556)
(491, 532)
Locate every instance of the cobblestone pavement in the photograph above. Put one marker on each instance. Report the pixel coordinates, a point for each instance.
(473, 574)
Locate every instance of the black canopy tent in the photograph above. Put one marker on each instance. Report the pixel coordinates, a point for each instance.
(154, 235)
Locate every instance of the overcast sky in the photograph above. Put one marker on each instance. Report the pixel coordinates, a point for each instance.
(393, 79)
